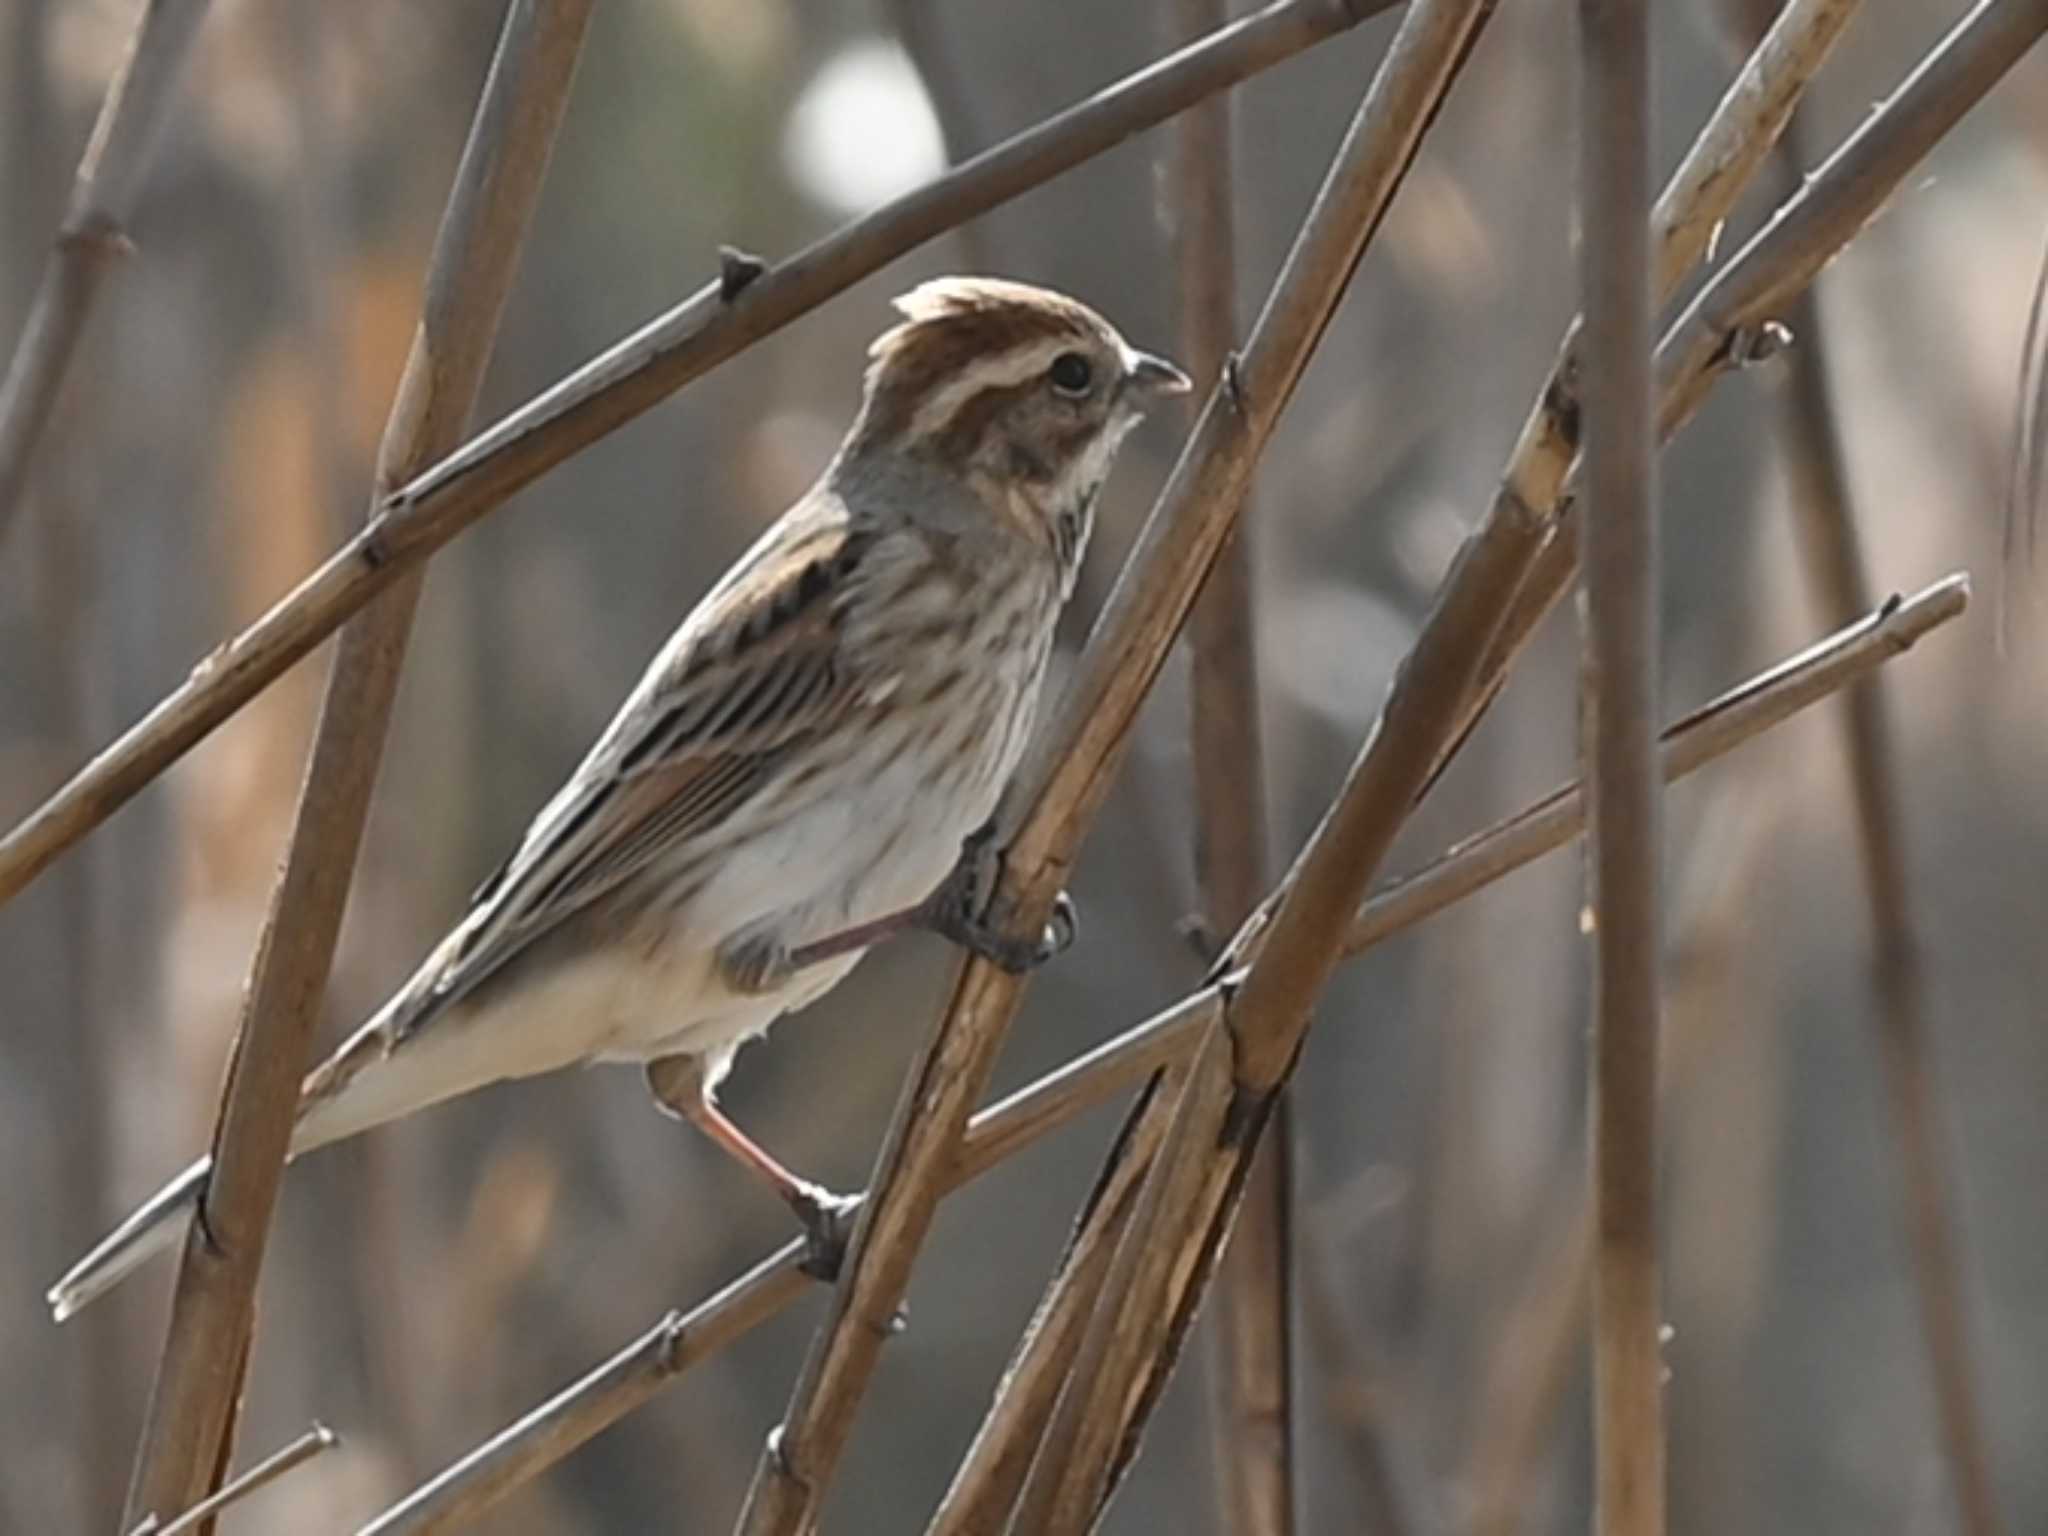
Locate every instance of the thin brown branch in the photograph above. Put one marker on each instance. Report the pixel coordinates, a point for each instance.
(528, 1447)
(1251, 1369)
(94, 234)
(189, 1430)
(1450, 664)
(618, 385)
(1729, 721)
(1618, 686)
(1068, 771)
(267, 1471)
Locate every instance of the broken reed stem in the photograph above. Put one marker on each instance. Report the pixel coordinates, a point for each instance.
(528, 1447)
(1251, 1368)
(704, 330)
(1449, 663)
(1618, 702)
(1062, 1495)
(1014, 1434)
(1068, 770)
(189, 1428)
(94, 234)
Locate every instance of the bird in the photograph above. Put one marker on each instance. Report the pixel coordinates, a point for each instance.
(809, 765)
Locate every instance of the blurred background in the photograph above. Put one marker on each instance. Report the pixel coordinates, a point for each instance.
(439, 1278)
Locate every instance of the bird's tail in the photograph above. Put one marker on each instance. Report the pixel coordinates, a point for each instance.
(153, 1227)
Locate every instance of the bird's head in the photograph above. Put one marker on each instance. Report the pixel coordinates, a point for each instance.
(1022, 392)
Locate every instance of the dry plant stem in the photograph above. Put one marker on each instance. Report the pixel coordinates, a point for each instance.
(1000, 1131)
(94, 234)
(188, 1428)
(1250, 1331)
(1068, 771)
(1063, 1494)
(1448, 665)
(1717, 169)
(315, 1440)
(1618, 690)
(613, 388)
(1836, 577)
(991, 1477)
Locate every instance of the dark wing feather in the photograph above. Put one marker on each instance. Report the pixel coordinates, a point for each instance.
(756, 674)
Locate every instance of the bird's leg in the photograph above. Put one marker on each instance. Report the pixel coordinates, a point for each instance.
(958, 910)
(681, 1086)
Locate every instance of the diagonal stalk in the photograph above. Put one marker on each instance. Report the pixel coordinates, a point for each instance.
(189, 1430)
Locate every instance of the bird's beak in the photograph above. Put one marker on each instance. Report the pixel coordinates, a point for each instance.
(1152, 376)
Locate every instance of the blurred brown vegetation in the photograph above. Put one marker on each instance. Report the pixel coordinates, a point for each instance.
(434, 1281)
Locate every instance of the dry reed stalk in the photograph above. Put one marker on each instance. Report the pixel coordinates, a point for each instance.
(1618, 702)
(431, 508)
(1455, 658)
(94, 234)
(1018, 1429)
(1251, 1368)
(188, 1433)
(614, 1389)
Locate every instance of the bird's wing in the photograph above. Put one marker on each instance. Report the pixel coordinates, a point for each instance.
(756, 673)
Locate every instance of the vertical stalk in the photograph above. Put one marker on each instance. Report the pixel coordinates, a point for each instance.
(1250, 1335)
(1620, 704)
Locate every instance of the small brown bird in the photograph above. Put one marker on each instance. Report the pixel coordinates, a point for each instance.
(800, 767)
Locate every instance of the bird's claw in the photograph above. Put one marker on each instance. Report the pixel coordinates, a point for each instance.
(827, 1220)
(1013, 954)
(959, 912)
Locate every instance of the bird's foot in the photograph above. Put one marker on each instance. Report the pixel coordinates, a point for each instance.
(827, 1220)
(959, 911)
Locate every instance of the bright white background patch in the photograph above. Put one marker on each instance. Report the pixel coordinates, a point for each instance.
(863, 130)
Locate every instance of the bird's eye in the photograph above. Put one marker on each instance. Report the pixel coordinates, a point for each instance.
(1071, 374)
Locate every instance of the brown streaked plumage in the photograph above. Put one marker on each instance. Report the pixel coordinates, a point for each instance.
(795, 774)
